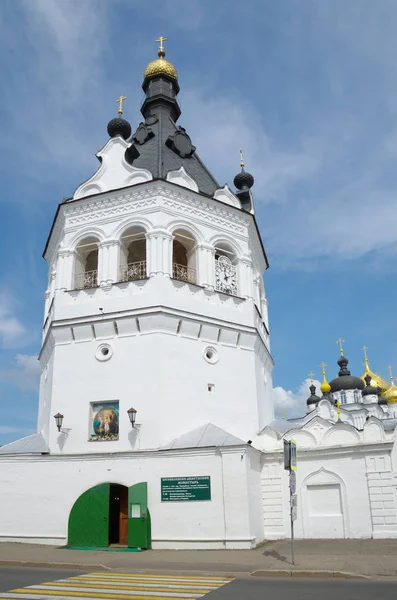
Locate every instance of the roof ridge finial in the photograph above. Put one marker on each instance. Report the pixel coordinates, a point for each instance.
(161, 50)
(340, 341)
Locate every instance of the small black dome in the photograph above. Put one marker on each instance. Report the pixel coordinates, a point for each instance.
(369, 389)
(345, 381)
(312, 399)
(243, 180)
(119, 126)
(382, 400)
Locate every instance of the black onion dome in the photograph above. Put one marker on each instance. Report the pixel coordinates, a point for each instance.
(369, 389)
(244, 180)
(312, 399)
(345, 381)
(119, 126)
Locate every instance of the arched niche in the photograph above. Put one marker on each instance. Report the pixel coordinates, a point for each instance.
(341, 434)
(225, 257)
(324, 509)
(303, 439)
(86, 263)
(133, 253)
(184, 256)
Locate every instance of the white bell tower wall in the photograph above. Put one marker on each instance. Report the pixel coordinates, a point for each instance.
(135, 315)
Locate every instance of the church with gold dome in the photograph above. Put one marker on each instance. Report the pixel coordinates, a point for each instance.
(347, 456)
(156, 422)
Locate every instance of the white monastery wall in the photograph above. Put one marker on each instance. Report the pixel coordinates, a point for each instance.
(343, 492)
(225, 521)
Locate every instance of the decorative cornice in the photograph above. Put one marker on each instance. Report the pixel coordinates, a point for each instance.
(123, 454)
(110, 204)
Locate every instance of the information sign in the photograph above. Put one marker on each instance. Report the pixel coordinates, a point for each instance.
(184, 489)
(294, 513)
(292, 482)
(294, 464)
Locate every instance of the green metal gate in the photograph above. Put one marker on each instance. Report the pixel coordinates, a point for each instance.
(89, 518)
(139, 526)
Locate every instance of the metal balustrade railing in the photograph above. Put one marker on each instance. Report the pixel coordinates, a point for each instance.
(133, 271)
(86, 280)
(183, 273)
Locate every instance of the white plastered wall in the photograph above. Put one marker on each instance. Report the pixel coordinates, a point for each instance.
(42, 490)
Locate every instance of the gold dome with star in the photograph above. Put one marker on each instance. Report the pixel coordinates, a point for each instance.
(160, 66)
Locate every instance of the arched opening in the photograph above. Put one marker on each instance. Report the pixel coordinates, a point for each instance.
(225, 269)
(86, 264)
(184, 266)
(133, 254)
(111, 514)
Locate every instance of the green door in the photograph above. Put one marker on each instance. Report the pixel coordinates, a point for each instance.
(89, 518)
(139, 527)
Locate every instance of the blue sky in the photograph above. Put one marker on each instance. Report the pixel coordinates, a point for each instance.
(308, 89)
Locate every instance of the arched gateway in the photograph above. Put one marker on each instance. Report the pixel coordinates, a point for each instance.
(111, 514)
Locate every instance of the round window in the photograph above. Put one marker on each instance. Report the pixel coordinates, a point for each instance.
(104, 352)
(211, 355)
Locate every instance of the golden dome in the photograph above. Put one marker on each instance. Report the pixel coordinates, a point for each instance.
(160, 66)
(325, 387)
(391, 393)
(376, 380)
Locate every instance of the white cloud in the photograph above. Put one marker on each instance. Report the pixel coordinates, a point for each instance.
(319, 173)
(12, 331)
(24, 373)
(293, 404)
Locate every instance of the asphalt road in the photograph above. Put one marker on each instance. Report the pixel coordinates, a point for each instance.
(17, 577)
(254, 588)
(262, 588)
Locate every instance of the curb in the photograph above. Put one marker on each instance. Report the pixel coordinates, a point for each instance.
(51, 565)
(310, 574)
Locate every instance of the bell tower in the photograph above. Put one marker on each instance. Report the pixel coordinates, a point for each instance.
(155, 300)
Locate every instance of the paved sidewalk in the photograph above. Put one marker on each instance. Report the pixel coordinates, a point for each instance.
(373, 558)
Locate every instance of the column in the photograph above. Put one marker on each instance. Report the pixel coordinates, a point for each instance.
(206, 266)
(108, 262)
(64, 270)
(159, 252)
(245, 281)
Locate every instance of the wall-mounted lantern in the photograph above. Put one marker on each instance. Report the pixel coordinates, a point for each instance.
(58, 420)
(131, 415)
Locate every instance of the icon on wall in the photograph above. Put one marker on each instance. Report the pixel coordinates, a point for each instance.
(104, 421)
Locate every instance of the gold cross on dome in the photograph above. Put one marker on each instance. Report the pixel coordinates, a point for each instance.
(364, 348)
(311, 375)
(323, 365)
(160, 40)
(340, 342)
(391, 373)
(120, 101)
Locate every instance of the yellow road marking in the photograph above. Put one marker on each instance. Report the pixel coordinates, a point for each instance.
(162, 576)
(138, 588)
(212, 586)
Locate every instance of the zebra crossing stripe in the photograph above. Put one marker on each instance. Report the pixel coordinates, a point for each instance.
(120, 586)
